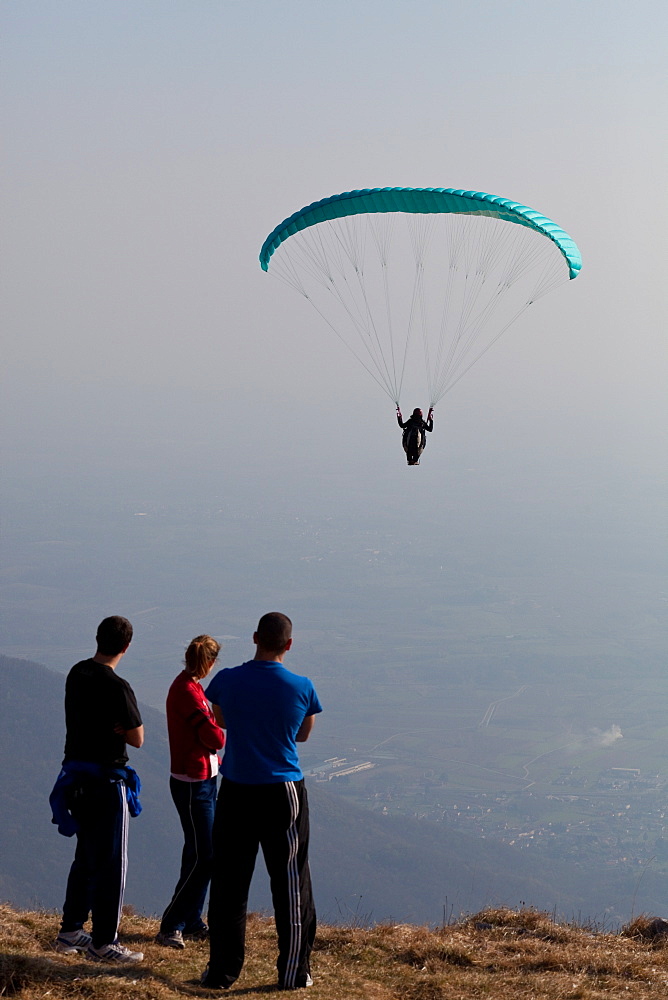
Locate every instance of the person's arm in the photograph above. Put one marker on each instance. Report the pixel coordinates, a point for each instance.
(135, 737)
(195, 709)
(218, 715)
(132, 727)
(210, 735)
(304, 730)
(400, 419)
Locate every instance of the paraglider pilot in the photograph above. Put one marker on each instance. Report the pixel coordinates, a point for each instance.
(414, 438)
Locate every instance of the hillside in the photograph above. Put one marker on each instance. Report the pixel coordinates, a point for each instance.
(496, 953)
(364, 864)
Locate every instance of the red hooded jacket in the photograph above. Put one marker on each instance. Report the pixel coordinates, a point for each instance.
(193, 732)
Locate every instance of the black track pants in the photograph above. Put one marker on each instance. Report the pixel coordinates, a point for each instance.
(275, 818)
(96, 881)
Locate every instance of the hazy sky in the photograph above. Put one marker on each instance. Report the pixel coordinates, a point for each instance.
(151, 147)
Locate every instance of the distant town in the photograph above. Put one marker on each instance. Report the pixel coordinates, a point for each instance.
(619, 816)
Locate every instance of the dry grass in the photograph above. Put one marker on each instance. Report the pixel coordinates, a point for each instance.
(494, 955)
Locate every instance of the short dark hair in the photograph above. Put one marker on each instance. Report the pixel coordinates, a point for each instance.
(113, 635)
(274, 631)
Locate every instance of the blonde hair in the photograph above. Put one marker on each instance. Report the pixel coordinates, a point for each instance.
(200, 654)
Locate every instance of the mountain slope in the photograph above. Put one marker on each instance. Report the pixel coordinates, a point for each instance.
(497, 953)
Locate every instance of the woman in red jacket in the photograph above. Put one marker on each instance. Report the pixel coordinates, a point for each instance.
(194, 739)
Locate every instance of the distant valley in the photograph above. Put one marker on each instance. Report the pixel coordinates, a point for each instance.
(370, 861)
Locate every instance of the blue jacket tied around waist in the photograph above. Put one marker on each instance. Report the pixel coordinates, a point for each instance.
(71, 774)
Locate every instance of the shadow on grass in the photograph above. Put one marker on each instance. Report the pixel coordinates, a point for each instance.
(234, 991)
(19, 972)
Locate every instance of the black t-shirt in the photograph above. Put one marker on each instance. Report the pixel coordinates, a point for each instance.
(97, 700)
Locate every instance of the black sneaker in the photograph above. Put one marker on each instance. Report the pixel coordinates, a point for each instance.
(210, 983)
(171, 939)
(199, 934)
(298, 986)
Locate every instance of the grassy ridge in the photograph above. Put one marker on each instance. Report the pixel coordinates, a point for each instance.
(494, 954)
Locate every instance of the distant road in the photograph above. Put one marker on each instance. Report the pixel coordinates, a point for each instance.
(487, 717)
(546, 753)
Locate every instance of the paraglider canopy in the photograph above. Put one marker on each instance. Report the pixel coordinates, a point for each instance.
(425, 201)
(463, 268)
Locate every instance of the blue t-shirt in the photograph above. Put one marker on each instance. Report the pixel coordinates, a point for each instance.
(263, 705)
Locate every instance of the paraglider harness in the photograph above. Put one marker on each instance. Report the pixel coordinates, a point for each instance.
(414, 438)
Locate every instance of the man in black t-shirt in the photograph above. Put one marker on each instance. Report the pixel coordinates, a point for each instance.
(101, 717)
(100, 709)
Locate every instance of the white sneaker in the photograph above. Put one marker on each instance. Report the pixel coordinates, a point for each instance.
(72, 942)
(114, 952)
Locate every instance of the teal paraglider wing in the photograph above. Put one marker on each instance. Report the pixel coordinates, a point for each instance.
(421, 201)
(389, 267)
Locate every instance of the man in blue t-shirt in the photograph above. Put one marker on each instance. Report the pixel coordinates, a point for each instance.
(262, 802)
